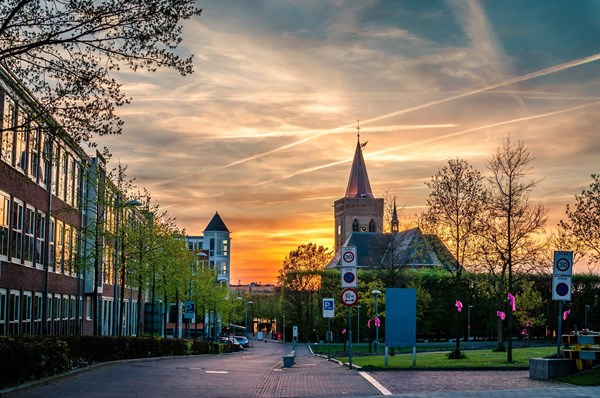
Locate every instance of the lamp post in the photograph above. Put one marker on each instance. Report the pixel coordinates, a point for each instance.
(247, 303)
(116, 312)
(376, 294)
(587, 307)
(469, 322)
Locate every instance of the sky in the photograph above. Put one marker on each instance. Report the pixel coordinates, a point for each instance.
(264, 131)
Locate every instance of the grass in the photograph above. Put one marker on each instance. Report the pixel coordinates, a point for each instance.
(484, 358)
(586, 378)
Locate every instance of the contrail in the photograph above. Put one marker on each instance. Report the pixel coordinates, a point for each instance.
(529, 76)
(413, 144)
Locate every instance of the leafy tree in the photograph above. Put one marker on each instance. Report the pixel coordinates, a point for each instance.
(456, 215)
(529, 311)
(69, 53)
(509, 243)
(300, 281)
(583, 223)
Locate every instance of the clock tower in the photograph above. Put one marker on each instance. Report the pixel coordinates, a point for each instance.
(358, 210)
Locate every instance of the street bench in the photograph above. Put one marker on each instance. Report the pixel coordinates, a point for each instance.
(288, 360)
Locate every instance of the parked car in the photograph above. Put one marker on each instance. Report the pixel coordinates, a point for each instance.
(243, 341)
(232, 340)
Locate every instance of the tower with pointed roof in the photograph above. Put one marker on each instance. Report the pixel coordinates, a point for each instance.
(217, 243)
(358, 210)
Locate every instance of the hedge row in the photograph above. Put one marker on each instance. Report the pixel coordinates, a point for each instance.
(27, 358)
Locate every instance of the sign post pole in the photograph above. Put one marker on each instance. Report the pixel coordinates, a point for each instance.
(350, 337)
(561, 287)
(559, 329)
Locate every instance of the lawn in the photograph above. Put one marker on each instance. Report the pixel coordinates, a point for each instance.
(484, 358)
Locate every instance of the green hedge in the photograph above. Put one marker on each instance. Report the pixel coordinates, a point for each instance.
(27, 358)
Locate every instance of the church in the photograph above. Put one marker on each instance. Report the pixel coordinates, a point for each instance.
(359, 222)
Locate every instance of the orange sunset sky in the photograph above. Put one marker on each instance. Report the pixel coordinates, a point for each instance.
(264, 131)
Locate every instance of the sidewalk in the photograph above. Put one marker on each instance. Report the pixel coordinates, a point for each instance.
(313, 376)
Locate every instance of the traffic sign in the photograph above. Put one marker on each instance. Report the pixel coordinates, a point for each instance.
(349, 256)
(349, 297)
(328, 308)
(561, 288)
(189, 310)
(349, 277)
(563, 263)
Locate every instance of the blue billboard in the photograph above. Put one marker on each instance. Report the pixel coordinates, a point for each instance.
(400, 317)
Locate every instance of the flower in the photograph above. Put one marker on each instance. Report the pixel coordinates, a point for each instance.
(458, 305)
(511, 300)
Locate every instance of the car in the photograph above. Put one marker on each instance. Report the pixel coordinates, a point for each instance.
(232, 340)
(243, 341)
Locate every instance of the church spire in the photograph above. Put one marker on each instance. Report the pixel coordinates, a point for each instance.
(395, 222)
(358, 184)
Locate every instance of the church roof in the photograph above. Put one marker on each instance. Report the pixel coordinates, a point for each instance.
(216, 224)
(408, 249)
(358, 184)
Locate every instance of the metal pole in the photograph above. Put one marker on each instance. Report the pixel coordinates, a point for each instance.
(350, 337)
(116, 275)
(358, 324)
(328, 339)
(469, 323)
(559, 331)
(376, 327)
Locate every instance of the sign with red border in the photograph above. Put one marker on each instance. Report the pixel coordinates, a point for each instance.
(349, 297)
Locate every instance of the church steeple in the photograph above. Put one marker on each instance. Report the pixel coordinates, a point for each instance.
(395, 222)
(358, 184)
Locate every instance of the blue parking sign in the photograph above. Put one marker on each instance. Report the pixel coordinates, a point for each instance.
(328, 308)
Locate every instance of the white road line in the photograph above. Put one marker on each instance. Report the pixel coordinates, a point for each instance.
(217, 371)
(375, 383)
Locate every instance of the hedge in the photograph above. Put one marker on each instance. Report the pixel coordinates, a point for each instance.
(28, 358)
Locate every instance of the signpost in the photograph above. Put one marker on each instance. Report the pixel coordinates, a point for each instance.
(561, 287)
(328, 312)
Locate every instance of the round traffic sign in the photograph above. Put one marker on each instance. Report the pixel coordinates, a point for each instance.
(348, 257)
(349, 277)
(349, 297)
(562, 289)
(563, 264)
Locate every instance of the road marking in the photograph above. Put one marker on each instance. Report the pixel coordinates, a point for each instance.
(217, 371)
(375, 383)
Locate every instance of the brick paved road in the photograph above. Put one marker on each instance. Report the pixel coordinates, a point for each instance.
(257, 373)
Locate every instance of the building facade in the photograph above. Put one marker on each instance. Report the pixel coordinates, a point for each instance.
(47, 194)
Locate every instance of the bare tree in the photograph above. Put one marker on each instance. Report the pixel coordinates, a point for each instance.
(510, 246)
(67, 53)
(583, 223)
(456, 215)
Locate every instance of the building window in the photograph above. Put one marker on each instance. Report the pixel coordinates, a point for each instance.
(29, 235)
(21, 142)
(17, 231)
(49, 313)
(56, 307)
(4, 218)
(3, 303)
(51, 248)
(88, 308)
(14, 308)
(59, 242)
(7, 131)
(34, 151)
(372, 226)
(45, 156)
(37, 311)
(225, 247)
(40, 239)
(27, 313)
(68, 250)
(211, 247)
(355, 226)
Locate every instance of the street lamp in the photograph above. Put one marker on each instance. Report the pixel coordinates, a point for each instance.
(116, 311)
(376, 294)
(469, 322)
(247, 303)
(587, 307)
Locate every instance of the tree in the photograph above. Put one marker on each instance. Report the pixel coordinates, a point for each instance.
(583, 223)
(509, 243)
(68, 53)
(300, 280)
(456, 215)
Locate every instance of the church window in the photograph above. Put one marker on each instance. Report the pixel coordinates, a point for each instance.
(355, 225)
(372, 225)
